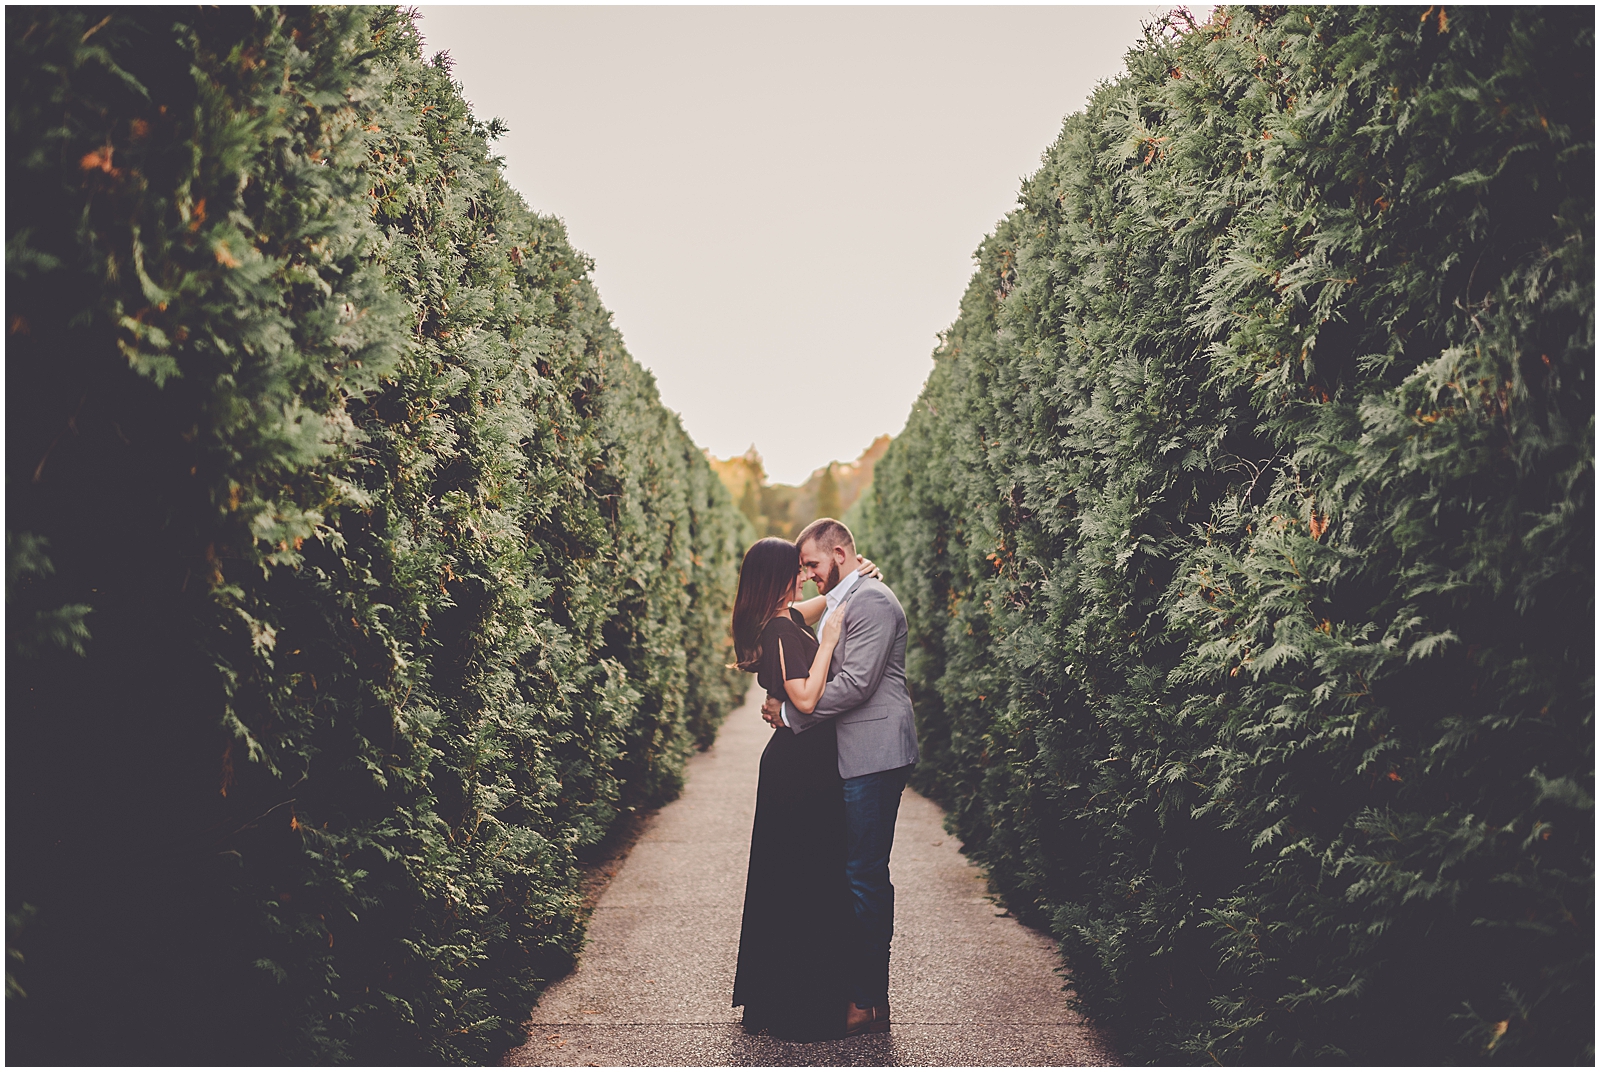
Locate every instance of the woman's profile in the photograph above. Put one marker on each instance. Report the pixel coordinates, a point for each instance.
(791, 977)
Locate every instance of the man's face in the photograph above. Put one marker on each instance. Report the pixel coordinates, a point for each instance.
(821, 564)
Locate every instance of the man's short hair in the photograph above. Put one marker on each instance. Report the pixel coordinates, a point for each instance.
(827, 534)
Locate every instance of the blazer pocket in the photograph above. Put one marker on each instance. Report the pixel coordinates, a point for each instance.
(863, 715)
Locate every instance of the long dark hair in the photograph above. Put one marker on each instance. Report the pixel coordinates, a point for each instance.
(765, 578)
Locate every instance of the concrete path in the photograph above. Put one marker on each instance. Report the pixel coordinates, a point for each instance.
(968, 986)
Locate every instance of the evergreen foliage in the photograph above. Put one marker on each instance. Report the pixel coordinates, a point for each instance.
(1245, 529)
(357, 578)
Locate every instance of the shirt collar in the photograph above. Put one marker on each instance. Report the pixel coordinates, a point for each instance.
(845, 584)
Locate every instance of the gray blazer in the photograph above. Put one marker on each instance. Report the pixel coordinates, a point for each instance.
(867, 691)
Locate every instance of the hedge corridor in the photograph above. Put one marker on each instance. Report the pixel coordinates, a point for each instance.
(357, 580)
(1245, 526)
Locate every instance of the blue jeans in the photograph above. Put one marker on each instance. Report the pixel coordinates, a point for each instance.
(871, 804)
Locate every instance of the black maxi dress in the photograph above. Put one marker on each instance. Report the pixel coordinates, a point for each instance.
(798, 916)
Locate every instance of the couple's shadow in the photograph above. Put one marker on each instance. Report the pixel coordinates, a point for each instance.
(761, 1049)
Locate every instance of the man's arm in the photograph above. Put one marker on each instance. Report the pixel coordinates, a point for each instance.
(866, 658)
(811, 609)
(869, 632)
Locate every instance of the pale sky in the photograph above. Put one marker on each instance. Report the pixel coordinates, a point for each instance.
(782, 202)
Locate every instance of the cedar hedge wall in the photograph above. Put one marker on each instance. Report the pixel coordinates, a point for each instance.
(1245, 526)
(357, 578)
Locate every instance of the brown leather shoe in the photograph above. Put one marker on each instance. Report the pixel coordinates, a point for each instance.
(871, 1021)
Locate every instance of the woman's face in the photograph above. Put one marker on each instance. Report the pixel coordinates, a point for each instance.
(799, 583)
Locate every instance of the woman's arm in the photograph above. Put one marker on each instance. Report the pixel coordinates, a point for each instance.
(811, 609)
(804, 692)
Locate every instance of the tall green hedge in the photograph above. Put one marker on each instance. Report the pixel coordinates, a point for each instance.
(357, 578)
(1245, 526)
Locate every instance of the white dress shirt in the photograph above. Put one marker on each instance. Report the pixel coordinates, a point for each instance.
(834, 598)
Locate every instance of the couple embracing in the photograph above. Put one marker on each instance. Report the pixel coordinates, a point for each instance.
(819, 908)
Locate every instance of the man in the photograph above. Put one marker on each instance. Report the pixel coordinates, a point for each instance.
(867, 695)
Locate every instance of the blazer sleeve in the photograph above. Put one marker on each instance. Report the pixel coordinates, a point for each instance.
(868, 642)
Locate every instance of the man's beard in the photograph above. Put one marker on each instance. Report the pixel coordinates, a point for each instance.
(833, 578)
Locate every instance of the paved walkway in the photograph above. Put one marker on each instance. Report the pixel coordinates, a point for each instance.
(968, 986)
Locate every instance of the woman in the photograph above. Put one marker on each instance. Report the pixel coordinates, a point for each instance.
(797, 909)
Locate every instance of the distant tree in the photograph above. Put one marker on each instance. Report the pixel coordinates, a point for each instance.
(777, 506)
(745, 477)
(750, 504)
(783, 509)
(828, 494)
